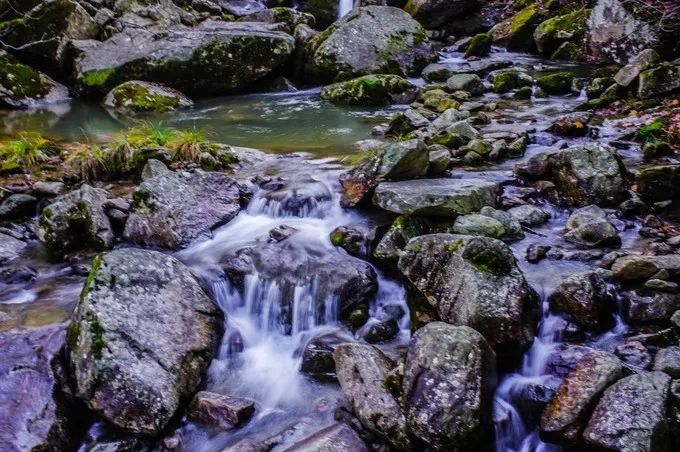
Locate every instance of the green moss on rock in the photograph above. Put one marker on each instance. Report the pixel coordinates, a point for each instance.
(552, 33)
(556, 83)
(479, 46)
(367, 90)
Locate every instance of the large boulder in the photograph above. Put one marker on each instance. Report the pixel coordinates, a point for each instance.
(338, 437)
(587, 300)
(449, 381)
(42, 33)
(35, 411)
(474, 281)
(439, 197)
(128, 363)
(295, 263)
(554, 32)
(583, 174)
(659, 80)
(215, 57)
(371, 40)
(616, 35)
(324, 11)
(140, 97)
(173, 209)
(76, 221)
(435, 13)
(23, 87)
(370, 90)
(567, 412)
(634, 267)
(659, 182)
(631, 416)
(397, 161)
(362, 370)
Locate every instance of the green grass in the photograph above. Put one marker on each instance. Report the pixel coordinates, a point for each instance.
(28, 151)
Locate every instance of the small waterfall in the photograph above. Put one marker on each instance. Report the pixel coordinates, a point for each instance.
(344, 7)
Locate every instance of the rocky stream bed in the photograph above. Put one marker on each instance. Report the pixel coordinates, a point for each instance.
(236, 226)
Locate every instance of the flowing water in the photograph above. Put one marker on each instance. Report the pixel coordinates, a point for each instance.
(259, 358)
(344, 7)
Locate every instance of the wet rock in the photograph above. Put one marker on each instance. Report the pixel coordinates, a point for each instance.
(408, 121)
(516, 31)
(474, 281)
(589, 227)
(173, 209)
(668, 360)
(370, 90)
(554, 32)
(76, 221)
(630, 72)
(529, 215)
(336, 438)
(614, 34)
(571, 125)
(403, 229)
(565, 359)
(402, 160)
(324, 11)
(634, 267)
(247, 445)
(381, 330)
(372, 40)
(587, 300)
(131, 369)
(466, 82)
(24, 87)
(479, 225)
(43, 32)
(34, 414)
(357, 240)
(654, 307)
(317, 356)
(507, 80)
(583, 174)
(281, 15)
(138, 97)
(569, 409)
(659, 80)
(513, 229)
(44, 189)
(17, 206)
(479, 46)
(440, 160)
(294, 264)
(659, 182)
(634, 354)
(434, 13)
(631, 415)
(557, 83)
(215, 57)
(361, 371)
(153, 168)
(449, 381)
(438, 197)
(220, 411)
(535, 253)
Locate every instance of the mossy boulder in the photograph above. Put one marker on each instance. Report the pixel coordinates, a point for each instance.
(403, 229)
(664, 78)
(479, 46)
(42, 33)
(22, 86)
(556, 83)
(437, 100)
(465, 82)
(434, 13)
(325, 12)
(140, 97)
(474, 281)
(370, 90)
(516, 31)
(76, 221)
(370, 40)
(507, 80)
(216, 57)
(552, 33)
(659, 182)
(128, 365)
(568, 51)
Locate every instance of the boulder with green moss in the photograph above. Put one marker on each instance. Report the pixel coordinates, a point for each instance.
(370, 40)
(42, 33)
(556, 83)
(554, 32)
(479, 46)
(516, 31)
(370, 90)
(507, 80)
(403, 229)
(474, 281)
(657, 81)
(437, 100)
(435, 13)
(216, 57)
(129, 366)
(139, 97)
(568, 51)
(465, 82)
(659, 182)
(76, 221)
(325, 12)
(583, 174)
(22, 86)
(172, 209)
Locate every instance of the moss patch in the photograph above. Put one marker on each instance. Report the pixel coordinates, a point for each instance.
(556, 83)
(139, 98)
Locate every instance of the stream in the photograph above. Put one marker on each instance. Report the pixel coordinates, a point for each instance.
(258, 358)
